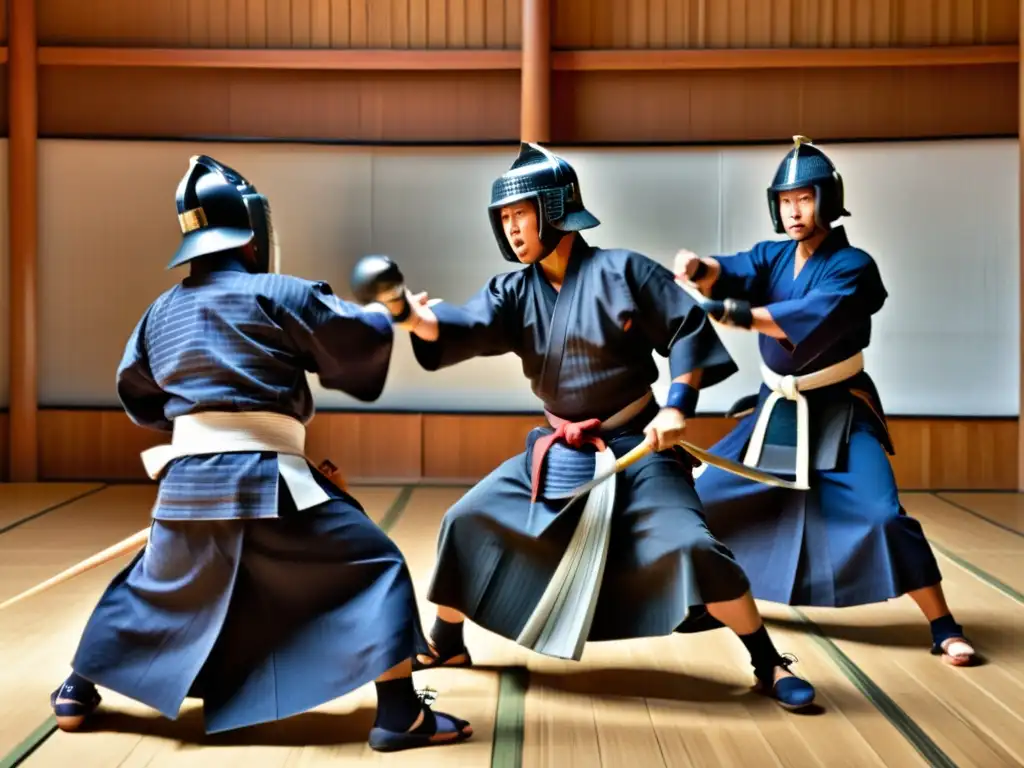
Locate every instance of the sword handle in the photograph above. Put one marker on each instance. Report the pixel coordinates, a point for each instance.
(633, 456)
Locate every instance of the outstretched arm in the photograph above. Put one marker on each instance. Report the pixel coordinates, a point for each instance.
(444, 334)
(742, 275)
(347, 345)
(849, 294)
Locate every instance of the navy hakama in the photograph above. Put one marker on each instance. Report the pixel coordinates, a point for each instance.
(846, 541)
(261, 619)
(264, 590)
(497, 551)
(588, 352)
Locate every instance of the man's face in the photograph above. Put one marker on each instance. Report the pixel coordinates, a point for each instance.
(519, 221)
(796, 207)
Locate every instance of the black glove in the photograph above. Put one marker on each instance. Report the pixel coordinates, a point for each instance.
(735, 312)
(378, 278)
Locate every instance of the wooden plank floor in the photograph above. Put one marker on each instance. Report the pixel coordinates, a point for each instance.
(678, 701)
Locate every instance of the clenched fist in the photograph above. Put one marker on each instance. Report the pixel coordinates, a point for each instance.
(666, 429)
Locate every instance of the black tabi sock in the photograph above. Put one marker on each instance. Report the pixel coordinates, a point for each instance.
(447, 637)
(945, 627)
(763, 655)
(398, 706)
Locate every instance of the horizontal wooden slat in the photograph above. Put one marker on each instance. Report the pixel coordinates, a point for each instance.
(414, 106)
(777, 58)
(771, 105)
(213, 58)
(565, 61)
(931, 454)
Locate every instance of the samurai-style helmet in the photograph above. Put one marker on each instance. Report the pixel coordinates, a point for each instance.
(807, 166)
(551, 183)
(219, 210)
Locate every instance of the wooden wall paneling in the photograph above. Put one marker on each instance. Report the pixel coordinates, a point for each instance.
(237, 26)
(377, 447)
(950, 453)
(931, 454)
(364, 106)
(465, 447)
(320, 23)
(3, 21)
(105, 444)
(702, 106)
(782, 23)
(82, 444)
(116, 22)
(302, 23)
(282, 23)
(474, 95)
(255, 24)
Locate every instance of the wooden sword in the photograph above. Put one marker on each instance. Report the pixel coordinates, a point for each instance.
(123, 547)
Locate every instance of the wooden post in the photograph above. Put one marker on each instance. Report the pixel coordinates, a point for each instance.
(535, 89)
(23, 222)
(1020, 222)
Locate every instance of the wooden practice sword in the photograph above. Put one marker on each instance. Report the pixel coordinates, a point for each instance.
(133, 542)
(750, 473)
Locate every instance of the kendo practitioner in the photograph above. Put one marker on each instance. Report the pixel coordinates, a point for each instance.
(585, 321)
(264, 590)
(818, 416)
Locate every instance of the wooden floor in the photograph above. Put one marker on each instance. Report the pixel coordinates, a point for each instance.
(678, 701)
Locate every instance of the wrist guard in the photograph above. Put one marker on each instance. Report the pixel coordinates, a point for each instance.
(736, 312)
(683, 398)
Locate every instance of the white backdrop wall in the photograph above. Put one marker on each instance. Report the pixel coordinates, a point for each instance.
(941, 219)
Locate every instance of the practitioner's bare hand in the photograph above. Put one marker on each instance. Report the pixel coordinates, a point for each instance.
(692, 268)
(666, 429)
(422, 321)
(686, 264)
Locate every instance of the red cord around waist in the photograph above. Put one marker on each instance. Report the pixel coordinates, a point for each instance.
(576, 434)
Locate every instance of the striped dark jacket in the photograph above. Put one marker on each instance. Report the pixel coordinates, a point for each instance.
(233, 341)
